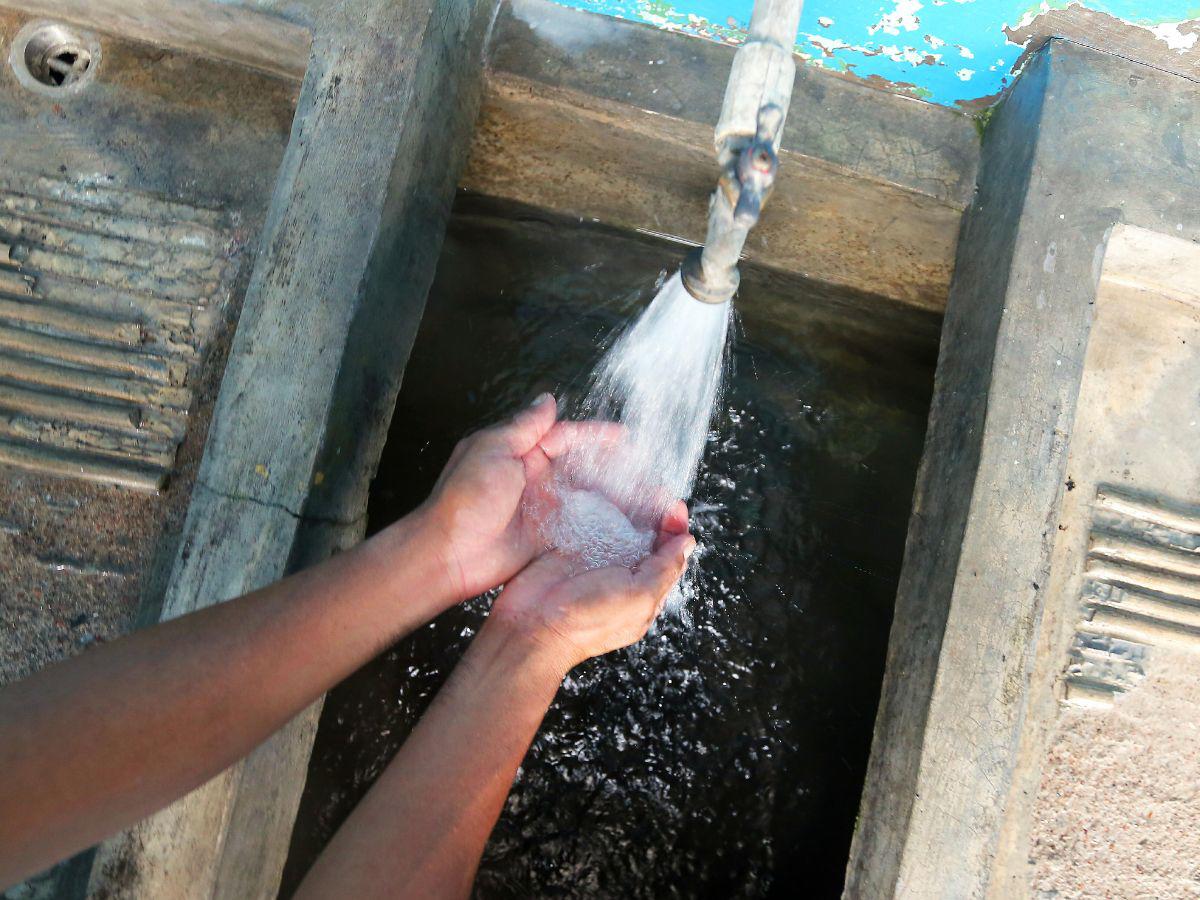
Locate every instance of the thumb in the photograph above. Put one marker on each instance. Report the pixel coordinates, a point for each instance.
(657, 574)
(529, 426)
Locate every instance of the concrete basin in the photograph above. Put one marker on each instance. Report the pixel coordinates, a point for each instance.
(218, 225)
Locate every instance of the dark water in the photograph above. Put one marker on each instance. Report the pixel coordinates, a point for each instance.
(724, 755)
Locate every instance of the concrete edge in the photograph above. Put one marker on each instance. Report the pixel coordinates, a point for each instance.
(870, 133)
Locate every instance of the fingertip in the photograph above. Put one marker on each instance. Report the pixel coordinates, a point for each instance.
(675, 519)
(545, 412)
(551, 442)
(532, 424)
(677, 545)
(536, 463)
(682, 549)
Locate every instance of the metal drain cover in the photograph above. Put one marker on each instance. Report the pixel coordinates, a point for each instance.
(52, 58)
(56, 58)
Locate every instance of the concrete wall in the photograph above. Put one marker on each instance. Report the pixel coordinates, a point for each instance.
(1085, 141)
(575, 119)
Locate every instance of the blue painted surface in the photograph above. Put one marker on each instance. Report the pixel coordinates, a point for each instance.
(947, 51)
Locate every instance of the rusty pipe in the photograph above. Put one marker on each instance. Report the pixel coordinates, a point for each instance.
(746, 140)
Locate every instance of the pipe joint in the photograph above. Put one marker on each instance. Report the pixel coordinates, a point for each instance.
(715, 290)
(710, 273)
(747, 140)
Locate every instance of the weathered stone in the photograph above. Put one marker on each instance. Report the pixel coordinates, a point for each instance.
(1043, 398)
(350, 245)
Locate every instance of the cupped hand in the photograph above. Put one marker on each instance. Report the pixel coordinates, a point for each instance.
(482, 530)
(575, 616)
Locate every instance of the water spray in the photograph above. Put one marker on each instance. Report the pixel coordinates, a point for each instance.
(747, 140)
(662, 376)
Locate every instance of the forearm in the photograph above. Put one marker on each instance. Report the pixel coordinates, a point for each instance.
(95, 743)
(421, 829)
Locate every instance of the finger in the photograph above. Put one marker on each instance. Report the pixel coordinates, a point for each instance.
(657, 574)
(457, 453)
(536, 464)
(566, 435)
(529, 426)
(675, 520)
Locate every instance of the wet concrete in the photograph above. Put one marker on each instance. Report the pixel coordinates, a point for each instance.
(723, 756)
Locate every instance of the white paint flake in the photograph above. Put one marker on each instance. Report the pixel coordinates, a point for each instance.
(825, 22)
(965, 74)
(910, 55)
(903, 17)
(828, 45)
(964, 52)
(1174, 38)
(1027, 19)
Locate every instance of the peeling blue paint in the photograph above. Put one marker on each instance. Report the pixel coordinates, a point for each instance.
(947, 51)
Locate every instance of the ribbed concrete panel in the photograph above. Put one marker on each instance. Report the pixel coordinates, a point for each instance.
(108, 299)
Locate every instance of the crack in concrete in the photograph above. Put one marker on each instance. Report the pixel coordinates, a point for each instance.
(271, 504)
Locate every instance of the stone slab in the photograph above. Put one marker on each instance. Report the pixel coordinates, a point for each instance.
(977, 670)
(351, 241)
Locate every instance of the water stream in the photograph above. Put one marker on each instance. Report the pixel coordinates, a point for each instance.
(724, 755)
(661, 380)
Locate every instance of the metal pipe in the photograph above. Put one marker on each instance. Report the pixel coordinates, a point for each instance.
(747, 139)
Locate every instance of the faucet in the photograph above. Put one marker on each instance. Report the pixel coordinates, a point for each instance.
(747, 141)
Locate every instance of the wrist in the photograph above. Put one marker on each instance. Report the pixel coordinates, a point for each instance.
(413, 555)
(531, 644)
(436, 532)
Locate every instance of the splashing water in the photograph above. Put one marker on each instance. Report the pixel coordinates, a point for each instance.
(661, 380)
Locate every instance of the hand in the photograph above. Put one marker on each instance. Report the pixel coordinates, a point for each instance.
(573, 617)
(481, 530)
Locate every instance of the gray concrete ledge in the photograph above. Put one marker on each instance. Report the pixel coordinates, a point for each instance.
(863, 131)
(349, 249)
(1084, 141)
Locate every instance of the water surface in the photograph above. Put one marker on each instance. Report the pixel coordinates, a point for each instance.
(724, 755)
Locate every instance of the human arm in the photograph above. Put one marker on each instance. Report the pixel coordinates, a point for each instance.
(421, 829)
(93, 744)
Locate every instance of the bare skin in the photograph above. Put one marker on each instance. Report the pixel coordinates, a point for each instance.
(86, 750)
(420, 831)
